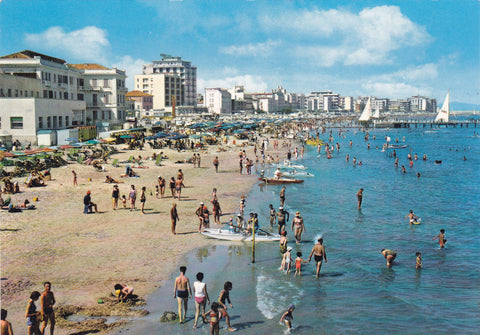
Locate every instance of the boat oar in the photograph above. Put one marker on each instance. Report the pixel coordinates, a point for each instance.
(266, 232)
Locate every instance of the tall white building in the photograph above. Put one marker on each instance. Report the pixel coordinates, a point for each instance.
(218, 100)
(165, 89)
(241, 101)
(176, 66)
(54, 95)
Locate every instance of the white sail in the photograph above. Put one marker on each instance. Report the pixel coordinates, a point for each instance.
(376, 115)
(444, 112)
(367, 112)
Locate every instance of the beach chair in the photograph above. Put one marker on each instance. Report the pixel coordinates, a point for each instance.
(131, 159)
(115, 162)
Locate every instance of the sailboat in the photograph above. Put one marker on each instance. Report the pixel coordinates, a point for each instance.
(444, 113)
(376, 115)
(367, 112)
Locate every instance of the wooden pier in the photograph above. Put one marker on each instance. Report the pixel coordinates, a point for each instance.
(415, 123)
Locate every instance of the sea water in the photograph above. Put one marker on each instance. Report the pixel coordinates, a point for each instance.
(356, 293)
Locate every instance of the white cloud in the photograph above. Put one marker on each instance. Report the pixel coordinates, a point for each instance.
(257, 49)
(86, 44)
(252, 83)
(394, 90)
(132, 67)
(340, 36)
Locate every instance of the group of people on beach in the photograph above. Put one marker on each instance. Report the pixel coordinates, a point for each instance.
(182, 291)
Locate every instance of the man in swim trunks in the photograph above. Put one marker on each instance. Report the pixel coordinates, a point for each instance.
(389, 256)
(182, 291)
(201, 216)
(272, 215)
(359, 198)
(297, 222)
(318, 251)
(47, 300)
(412, 217)
(283, 217)
(282, 196)
(178, 187)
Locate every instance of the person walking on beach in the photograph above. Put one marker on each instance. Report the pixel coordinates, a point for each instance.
(172, 186)
(297, 223)
(143, 198)
(441, 238)
(390, 256)
(201, 216)
(282, 196)
(182, 291)
(47, 300)
(32, 315)
(201, 297)
(319, 254)
(283, 217)
(287, 317)
(5, 325)
(215, 317)
(161, 184)
(174, 217)
(115, 196)
(132, 196)
(178, 187)
(222, 299)
(75, 182)
(215, 164)
(359, 198)
(217, 211)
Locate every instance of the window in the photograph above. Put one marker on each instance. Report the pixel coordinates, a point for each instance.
(60, 121)
(71, 80)
(80, 96)
(65, 95)
(54, 78)
(106, 98)
(94, 116)
(105, 83)
(66, 121)
(94, 82)
(95, 99)
(49, 122)
(40, 122)
(16, 122)
(54, 122)
(9, 92)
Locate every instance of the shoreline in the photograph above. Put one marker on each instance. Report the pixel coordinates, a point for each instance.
(85, 255)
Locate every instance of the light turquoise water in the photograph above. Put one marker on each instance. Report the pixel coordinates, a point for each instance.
(356, 293)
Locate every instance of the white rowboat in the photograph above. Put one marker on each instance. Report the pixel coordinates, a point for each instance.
(229, 235)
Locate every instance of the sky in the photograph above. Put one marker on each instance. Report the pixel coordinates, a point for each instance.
(388, 49)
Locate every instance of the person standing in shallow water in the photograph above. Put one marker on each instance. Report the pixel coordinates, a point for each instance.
(360, 198)
(182, 291)
(319, 254)
(390, 256)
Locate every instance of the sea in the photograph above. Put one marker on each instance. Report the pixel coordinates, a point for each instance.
(356, 293)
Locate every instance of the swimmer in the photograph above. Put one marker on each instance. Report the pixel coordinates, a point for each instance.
(359, 198)
(413, 219)
(390, 256)
(441, 238)
(418, 260)
(319, 253)
(287, 317)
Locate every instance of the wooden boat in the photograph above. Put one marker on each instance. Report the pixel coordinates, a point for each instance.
(230, 235)
(281, 181)
(397, 146)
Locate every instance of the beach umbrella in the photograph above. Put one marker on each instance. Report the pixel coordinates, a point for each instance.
(71, 139)
(195, 136)
(18, 153)
(110, 139)
(6, 154)
(160, 135)
(126, 136)
(66, 146)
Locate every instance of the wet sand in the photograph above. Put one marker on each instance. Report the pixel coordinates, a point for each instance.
(85, 255)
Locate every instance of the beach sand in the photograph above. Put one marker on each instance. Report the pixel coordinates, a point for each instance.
(85, 255)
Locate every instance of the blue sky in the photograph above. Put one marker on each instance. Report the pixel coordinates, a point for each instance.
(391, 49)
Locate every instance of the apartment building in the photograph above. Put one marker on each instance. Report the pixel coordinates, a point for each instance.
(420, 104)
(175, 66)
(167, 90)
(104, 92)
(218, 101)
(143, 101)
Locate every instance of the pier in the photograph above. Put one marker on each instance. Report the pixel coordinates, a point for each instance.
(417, 123)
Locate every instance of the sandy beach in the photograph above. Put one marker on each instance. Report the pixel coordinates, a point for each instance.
(84, 255)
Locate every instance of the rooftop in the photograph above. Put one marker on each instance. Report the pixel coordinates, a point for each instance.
(138, 94)
(28, 54)
(88, 66)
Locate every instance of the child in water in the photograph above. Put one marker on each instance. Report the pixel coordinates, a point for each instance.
(441, 238)
(298, 264)
(287, 317)
(287, 260)
(418, 261)
(214, 320)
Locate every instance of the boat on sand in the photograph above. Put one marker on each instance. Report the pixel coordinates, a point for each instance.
(281, 181)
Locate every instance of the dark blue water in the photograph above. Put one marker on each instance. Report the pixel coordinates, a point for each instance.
(357, 293)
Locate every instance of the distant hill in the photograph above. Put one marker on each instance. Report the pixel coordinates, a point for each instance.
(462, 106)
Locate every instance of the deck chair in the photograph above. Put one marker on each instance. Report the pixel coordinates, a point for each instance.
(115, 162)
(158, 161)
